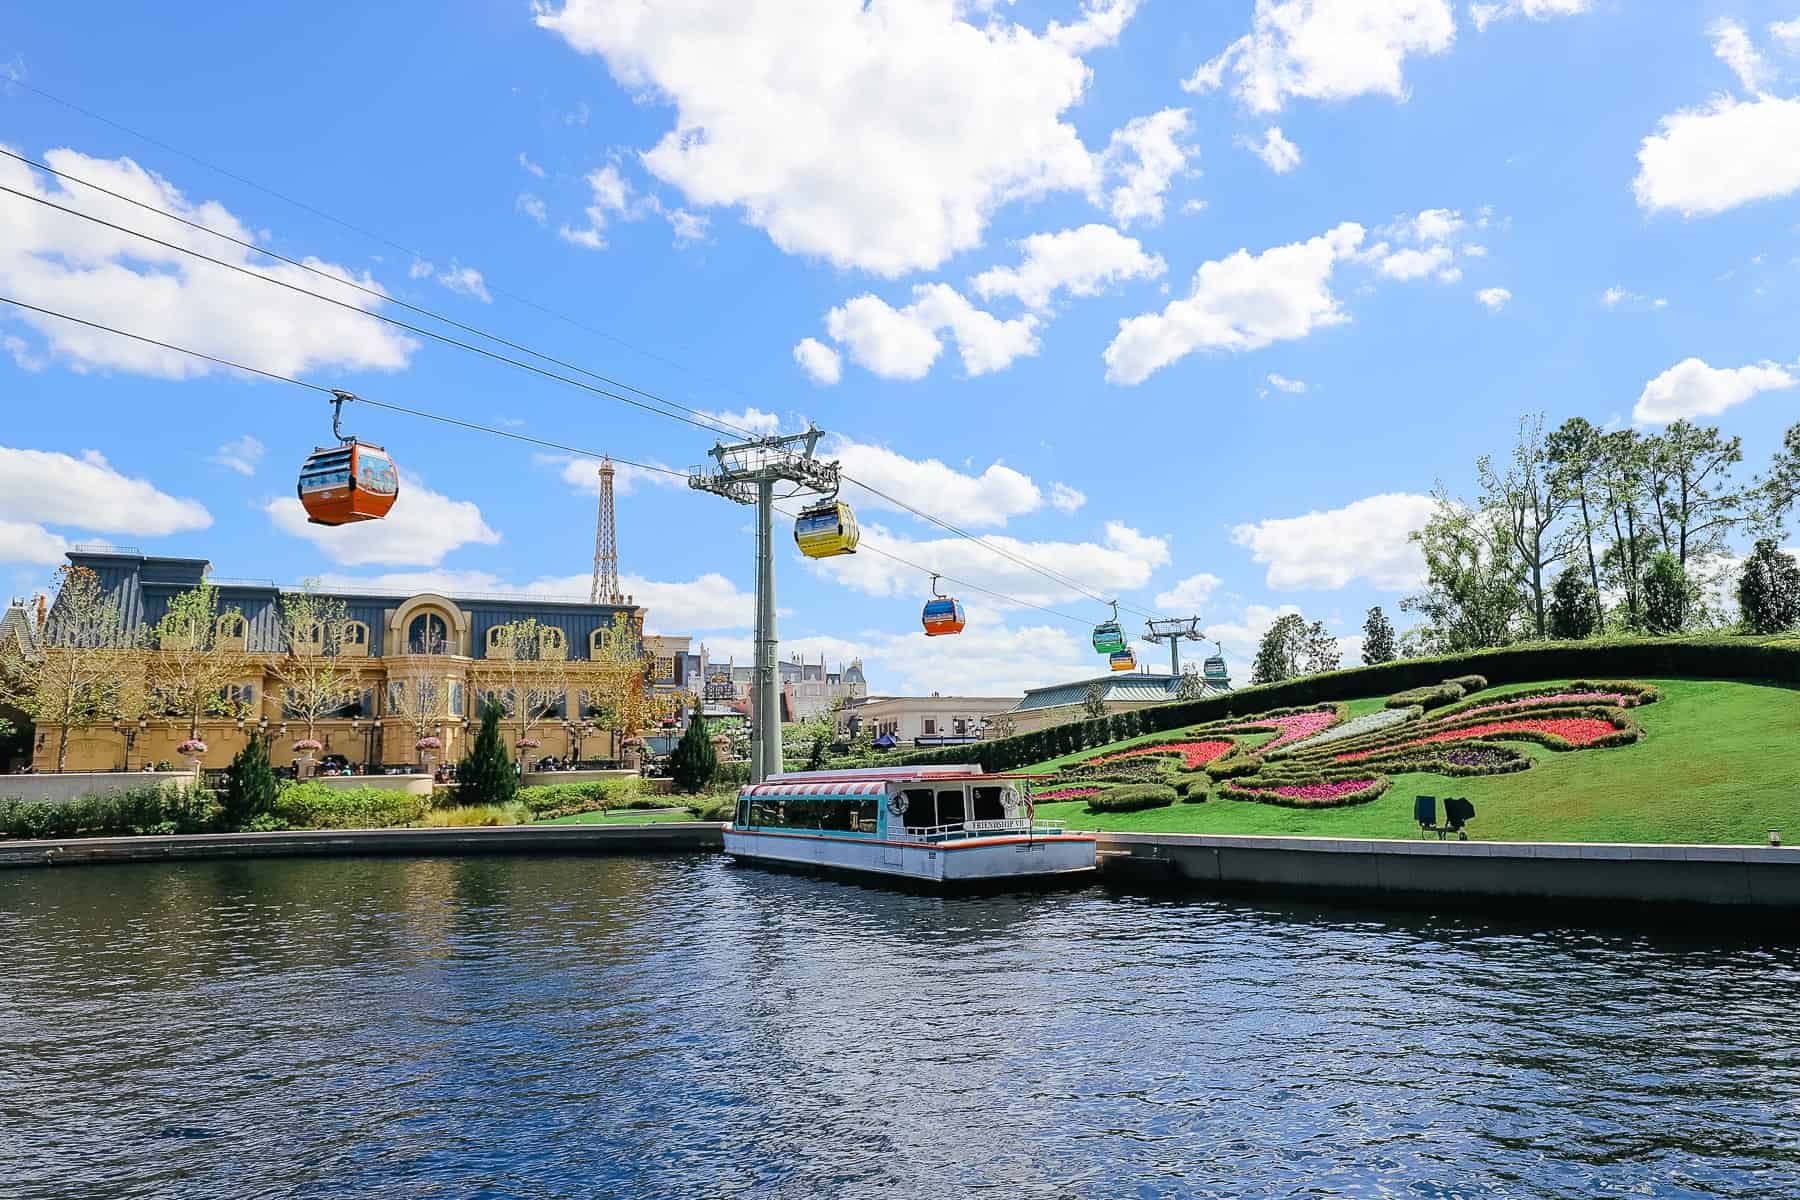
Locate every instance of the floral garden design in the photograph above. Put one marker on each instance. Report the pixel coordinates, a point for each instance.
(1319, 757)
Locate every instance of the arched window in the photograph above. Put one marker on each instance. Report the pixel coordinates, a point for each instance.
(356, 634)
(552, 644)
(231, 627)
(427, 634)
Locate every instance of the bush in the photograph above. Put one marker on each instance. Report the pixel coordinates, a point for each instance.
(1435, 696)
(1469, 683)
(152, 808)
(718, 807)
(1769, 589)
(736, 774)
(693, 764)
(314, 805)
(1191, 791)
(1234, 765)
(1132, 799)
(567, 799)
(1137, 769)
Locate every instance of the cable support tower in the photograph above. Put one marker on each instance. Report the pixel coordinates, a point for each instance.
(1173, 630)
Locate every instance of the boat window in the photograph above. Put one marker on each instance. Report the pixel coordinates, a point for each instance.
(988, 806)
(743, 812)
(950, 807)
(919, 809)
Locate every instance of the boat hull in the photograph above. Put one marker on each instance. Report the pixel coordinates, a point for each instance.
(971, 860)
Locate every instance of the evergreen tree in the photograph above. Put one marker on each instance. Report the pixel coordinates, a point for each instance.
(250, 785)
(486, 775)
(1574, 607)
(1769, 589)
(1278, 654)
(1378, 638)
(1320, 650)
(694, 763)
(1665, 594)
(1093, 702)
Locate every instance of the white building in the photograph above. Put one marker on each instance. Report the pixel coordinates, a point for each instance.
(932, 720)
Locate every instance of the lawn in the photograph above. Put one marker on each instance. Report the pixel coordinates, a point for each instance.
(622, 816)
(1720, 762)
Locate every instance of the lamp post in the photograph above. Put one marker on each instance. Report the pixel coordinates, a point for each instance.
(129, 731)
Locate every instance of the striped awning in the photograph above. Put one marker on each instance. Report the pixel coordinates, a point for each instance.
(842, 788)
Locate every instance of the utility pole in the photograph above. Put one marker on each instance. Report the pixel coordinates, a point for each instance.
(746, 473)
(1174, 630)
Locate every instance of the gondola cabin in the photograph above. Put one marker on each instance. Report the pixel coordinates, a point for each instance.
(942, 616)
(1214, 671)
(1108, 638)
(941, 825)
(826, 530)
(1123, 660)
(340, 485)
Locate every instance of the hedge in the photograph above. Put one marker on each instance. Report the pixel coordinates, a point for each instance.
(1132, 799)
(1435, 696)
(567, 799)
(148, 808)
(1469, 683)
(320, 806)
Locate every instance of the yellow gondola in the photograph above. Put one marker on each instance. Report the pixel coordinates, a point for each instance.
(1123, 660)
(826, 530)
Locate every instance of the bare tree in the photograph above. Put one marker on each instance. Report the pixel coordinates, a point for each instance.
(317, 676)
(195, 663)
(81, 669)
(1529, 496)
(619, 679)
(418, 692)
(526, 672)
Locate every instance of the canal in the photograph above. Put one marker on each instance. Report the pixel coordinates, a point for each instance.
(680, 1027)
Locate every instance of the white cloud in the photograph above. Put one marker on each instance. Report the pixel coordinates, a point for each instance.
(1787, 33)
(611, 193)
(1282, 383)
(1691, 389)
(24, 542)
(1705, 161)
(239, 454)
(1241, 302)
(1363, 540)
(466, 281)
(43, 486)
(878, 136)
(820, 362)
(1537, 10)
(1079, 262)
(421, 529)
(535, 169)
(1125, 561)
(583, 474)
(1145, 156)
(688, 227)
(752, 419)
(1494, 298)
(989, 658)
(1277, 153)
(1613, 296)
(903, 343)
(1065, 499)
(1732, 46)
(1416, 263)
(990, 498)
(533, 207)
(70, 265)
(1327, 50)
(1427, 246)
(1191, 595)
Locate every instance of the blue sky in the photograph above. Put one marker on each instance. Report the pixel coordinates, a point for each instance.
(1193, 303)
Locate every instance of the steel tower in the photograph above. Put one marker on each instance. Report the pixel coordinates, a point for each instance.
(606, 544)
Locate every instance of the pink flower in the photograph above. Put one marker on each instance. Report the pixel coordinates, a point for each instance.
(1320, 791)
(305, 745)
(528, 743)
(428, 743)
(1068, 793)
(1575, 731)
(193, 746)
(1294, 727)
(1558, 698)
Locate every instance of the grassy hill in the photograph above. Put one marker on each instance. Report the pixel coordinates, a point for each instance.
(1712, 760)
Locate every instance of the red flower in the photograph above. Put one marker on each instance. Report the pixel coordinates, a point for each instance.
(1576, 731)
(1193, 754)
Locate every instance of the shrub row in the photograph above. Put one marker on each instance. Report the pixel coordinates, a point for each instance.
(319, 806)
(153, 808)
(1469, 683)
(1146, 769)
(1248, 790)
(1634, 694)
(1712, 657)
(567, 799)
(1132, 799)
(1628, 732)
(1435, 696)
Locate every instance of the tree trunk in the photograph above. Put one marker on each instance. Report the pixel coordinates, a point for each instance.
(1587, 529)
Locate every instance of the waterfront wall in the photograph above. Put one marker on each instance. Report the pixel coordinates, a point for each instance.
(668, 837)
(59, 789)
(1453, 873)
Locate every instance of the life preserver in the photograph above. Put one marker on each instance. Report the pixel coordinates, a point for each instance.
(897, 805)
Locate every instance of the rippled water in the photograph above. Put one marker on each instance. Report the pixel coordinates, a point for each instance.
(684, 1027)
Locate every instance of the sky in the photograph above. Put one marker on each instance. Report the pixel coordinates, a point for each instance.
(1191, 304)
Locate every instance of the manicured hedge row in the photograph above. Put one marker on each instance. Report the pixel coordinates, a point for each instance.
(1773, 659)
(151, 808)
(1469, 683)
(1132, 799)
(1435, 696)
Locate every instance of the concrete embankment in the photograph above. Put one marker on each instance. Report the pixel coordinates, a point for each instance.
(665, 837)
(1452, 874)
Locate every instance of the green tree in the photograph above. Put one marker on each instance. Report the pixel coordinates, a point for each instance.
(1378, 638)
(1528, 501)
(249, 784)
(1278, 654)
(1624, 466)
(1666, 595)
(1574, 606)
(316, 671)
(694, 763)
(1769, 589)
(196, 661)
(1093, 701)
(1698, 504)
(1320, 650)
(1780, 488)
(486, 775)
(1574, 451)
(1471, 598)
(79, 669)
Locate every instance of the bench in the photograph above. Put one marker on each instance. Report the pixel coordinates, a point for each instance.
(1458, 811)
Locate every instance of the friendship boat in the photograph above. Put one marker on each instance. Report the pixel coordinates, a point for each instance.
(946, 825)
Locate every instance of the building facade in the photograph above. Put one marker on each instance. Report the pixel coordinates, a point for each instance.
(424, 667)
(1059, 703)
(923, 721)
(806, 689)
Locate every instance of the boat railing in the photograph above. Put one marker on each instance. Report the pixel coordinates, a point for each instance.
(972, 829)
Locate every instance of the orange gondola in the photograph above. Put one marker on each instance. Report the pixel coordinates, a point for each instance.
(349, 482)
(943, 614)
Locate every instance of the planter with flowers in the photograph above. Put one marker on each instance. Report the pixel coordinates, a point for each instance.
(631, 752)
(192, 750)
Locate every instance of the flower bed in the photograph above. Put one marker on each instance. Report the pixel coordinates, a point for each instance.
(1334, 793)
(1522, 702)
(1294, 727)
(1375, 722)
(1194, 755)
(1560, 733)
(1065, 793)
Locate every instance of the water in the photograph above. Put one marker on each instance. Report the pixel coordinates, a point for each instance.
(513, 1027)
